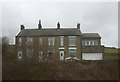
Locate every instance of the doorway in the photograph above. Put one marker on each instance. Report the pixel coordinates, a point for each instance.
(61, 54)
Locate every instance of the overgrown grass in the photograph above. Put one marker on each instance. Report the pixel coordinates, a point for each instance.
(58, 70)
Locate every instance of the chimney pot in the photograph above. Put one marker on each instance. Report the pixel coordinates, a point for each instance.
(39, 25)
(22, 27)
(58, 25)
(78, 25)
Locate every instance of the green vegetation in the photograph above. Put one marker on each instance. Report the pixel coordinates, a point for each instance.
(111, 50)
(110, 57)
(111, 53)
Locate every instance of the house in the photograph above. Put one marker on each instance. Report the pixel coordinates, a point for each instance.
(58, 44)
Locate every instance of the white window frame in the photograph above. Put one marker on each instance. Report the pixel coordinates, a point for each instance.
(72, 51)
(19, 52)
(74, 40)
(96, 42)
(40, 41)
(61, 40)
(29, 52)
(29, 40)
(19, 41)
(83, 42)
(49, 39)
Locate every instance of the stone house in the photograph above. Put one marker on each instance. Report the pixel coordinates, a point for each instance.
(58, 44)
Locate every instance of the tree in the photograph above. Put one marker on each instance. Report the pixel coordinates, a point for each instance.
(5, 42)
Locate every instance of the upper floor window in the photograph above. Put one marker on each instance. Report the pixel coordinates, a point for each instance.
(61, 40)
(95, 43)
(19, 41)
(50, 41)
(29, 40)
(40, 41)
(72, 41)
(89, 43)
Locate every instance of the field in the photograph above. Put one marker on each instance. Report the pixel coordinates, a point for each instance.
(106, 69)
(111, 53)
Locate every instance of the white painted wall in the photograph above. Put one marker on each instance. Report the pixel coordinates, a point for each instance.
(91, 56)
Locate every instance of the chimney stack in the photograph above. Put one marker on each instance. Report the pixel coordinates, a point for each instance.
(39, 25)
(78, 26)
(58, 25)
(22, 27)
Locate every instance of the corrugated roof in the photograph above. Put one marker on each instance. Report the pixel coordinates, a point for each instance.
(90, 35)
(49, 32)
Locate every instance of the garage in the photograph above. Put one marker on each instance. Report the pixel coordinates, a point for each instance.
(91, 56)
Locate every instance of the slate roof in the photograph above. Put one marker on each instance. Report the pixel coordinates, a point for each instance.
(90, 35)
(50, 32)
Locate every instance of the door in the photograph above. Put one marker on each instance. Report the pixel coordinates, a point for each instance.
(62, 55)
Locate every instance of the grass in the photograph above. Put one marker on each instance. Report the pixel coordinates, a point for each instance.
(110, 57)
(111, 50)
(111, 54)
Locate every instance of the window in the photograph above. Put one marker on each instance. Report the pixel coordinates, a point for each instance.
(50, 54)
(61, 41)
(29, 41)
(95, 43)
(72, 41)
(19, 55)
(40, 56)
(72, 52)
(50, 41)
(19, 41)
(29, 53)
(86, 43)
(40, 40)
(91, 43)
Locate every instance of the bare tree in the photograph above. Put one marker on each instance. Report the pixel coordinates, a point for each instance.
(5, 42)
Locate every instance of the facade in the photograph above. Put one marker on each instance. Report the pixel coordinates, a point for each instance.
(58, 44)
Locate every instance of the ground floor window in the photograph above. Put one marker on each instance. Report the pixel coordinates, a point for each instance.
(72, 52)
(40, 56)
(29, 53)
(20, 55)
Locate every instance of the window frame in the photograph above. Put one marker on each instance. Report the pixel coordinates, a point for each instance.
(49, 41)
(29, 52)
(73, 44)
(19, 41)
(40, 41)
(29, 40)
(72, 52)
(61, 40)
(95, 43)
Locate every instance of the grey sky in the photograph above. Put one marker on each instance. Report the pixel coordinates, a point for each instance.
(101, 17)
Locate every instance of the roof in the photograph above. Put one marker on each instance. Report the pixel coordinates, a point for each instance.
(50, 32)
(90, 35)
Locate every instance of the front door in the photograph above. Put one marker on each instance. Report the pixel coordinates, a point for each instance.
(62, 55)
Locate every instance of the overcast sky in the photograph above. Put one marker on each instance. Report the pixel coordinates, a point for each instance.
(94, 17)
